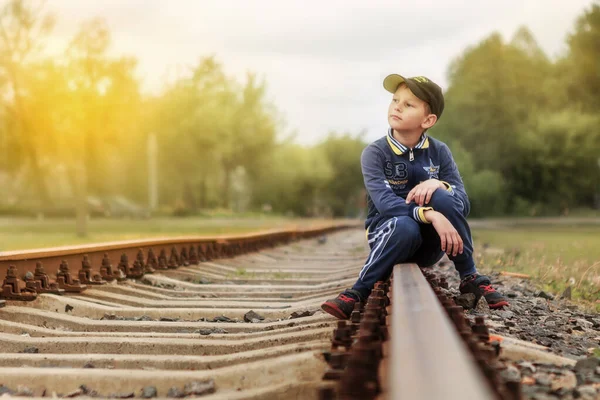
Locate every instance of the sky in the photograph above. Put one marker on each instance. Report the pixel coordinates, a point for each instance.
(323, 61)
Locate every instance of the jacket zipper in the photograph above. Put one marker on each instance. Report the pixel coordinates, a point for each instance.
(411, 156)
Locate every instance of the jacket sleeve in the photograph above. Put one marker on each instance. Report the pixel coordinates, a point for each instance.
(450, 176)
(388, 204)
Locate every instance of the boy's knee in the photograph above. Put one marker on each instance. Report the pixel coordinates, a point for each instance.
(443, 202)
(407, 229)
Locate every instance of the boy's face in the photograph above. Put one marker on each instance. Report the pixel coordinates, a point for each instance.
(408, 113)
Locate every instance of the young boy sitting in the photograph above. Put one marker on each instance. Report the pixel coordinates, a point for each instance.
(417, 204)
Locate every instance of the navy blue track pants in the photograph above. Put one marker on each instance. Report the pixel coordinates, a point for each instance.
(402, 239)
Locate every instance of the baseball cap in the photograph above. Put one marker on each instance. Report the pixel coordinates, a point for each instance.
(422, 87)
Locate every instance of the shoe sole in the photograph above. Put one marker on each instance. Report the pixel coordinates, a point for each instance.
(500, 304)
(332, 309)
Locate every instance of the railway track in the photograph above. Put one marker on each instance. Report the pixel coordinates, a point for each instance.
(213, 317)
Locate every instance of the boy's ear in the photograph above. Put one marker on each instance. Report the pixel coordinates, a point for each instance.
(429, 121)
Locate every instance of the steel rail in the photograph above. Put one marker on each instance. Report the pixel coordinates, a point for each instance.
(427, 359)
(173, 240)
(15, 265)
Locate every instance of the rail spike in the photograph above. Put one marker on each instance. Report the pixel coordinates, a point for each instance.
(193, 255)
(66, 282)
(40, 281)
(11, 289)
(133, 272)
(183, 258)
(108, 273)
(162, 260)
(87, 276)
(151, 262)
(174, 259)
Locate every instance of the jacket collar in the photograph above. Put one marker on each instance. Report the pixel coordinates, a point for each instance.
(399, 149)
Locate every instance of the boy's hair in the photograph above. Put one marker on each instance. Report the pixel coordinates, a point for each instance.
(422, 87)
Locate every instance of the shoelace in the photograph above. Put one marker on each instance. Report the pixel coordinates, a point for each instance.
(487, 289)
(345, 299)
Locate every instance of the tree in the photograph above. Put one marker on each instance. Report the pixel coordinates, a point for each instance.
(250, 132)
(345, 189)
(192, 116)
(582, 65)
(104, 100)
(106, 96)
(23, 25)
(496, 92)
(486, 188)
(493, 92)
(560, 170)
(212, 120)
(295, 179)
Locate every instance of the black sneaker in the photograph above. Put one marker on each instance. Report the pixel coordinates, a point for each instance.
(342, 306)
(480, 285)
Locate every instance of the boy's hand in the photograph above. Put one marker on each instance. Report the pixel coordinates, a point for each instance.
(450, 240)
(423, 191)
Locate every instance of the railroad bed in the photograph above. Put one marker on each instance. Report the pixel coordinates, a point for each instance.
(215, 318)
(234, 327)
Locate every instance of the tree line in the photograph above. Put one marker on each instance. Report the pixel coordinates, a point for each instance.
(527, 127)
(523, 128)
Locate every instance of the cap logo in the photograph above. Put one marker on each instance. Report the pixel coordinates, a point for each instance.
(421, 79)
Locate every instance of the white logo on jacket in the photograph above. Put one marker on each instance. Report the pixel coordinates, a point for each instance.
(432, 170)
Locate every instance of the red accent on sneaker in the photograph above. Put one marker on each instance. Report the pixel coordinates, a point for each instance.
(334, 310)
(487, 289)
(500, 304)
(345, 299)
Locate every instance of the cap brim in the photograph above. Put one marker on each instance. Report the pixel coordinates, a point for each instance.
(391, 82)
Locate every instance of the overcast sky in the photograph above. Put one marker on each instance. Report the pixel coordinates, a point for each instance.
(324, 61)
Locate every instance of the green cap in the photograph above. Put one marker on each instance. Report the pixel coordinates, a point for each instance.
(422, 87)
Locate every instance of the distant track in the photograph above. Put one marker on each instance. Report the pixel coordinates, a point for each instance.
(164, 329)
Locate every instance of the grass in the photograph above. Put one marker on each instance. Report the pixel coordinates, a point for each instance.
(554, 256)
(282, 275)
(241, 272)
(29, 233)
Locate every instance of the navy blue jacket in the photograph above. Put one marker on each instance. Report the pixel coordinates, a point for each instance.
(390, 170)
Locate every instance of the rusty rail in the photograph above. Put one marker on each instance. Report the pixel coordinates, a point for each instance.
(72, 269)
(410, 341)
(428, 359)
(243, 327)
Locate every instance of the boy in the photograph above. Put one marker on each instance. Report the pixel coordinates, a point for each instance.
(417, 204)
